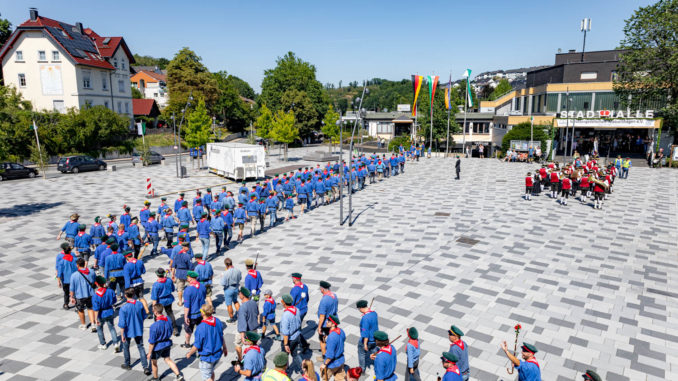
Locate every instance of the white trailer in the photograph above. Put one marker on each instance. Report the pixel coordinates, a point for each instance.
(237, 161)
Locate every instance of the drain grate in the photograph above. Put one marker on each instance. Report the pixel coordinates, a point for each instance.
(442, 214)
(467, 241)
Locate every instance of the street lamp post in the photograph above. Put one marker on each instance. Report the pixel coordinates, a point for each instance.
(350, 177)
(180, 174)
(341, 170)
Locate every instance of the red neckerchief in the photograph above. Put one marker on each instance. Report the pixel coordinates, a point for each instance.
(281, 371)
(388, 349)
(368, 311)
(298, 284)
(145, 207)
(162, 280)
(292, 309)
(460, 344)
(200, 262)
(210, 321)
(336, 330)
(183, 207)
(415, 343)
(533, 361)
(118, 233)
(132, 301)
(331, 295)
(132, 260)
(84, 271)
(80, 234)
(184, 250)
(196, 284)
(97, 224)
(150, 219)
(68, 257)
(163, 317)
(306, 378)
(270, 300)
(125, 214)
(454, 369)
(202, 220)
(101, 291)
(110, 223)
(253, 273)
(256, 348)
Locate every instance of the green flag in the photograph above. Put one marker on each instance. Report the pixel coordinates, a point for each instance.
(468, 87)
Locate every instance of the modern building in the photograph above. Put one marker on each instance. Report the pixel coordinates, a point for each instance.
(576, 94)
(58, 66)
(152, 84)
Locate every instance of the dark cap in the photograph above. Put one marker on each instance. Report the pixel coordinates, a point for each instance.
(66, 245)
(361, 304)
(325, 284)
(192, 274)
(296, 275)
(252, 336)
(245, 291)
(591, 376)
(449, 356)
(334, 319)
(526, 347)
(160, 272)
(380, 335)
(287, 298)
(454, 329)
(101, 281)
(281, 359)
(412, 333)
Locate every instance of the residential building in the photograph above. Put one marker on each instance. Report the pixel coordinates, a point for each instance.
(58, 66)
(146, 110)
(388, 125)
(152, 84)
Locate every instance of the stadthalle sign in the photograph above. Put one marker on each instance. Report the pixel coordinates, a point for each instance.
(606, 119)
(611, 114)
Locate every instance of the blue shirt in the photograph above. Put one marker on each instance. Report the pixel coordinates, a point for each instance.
(299, 294)
(96, 231)
(70, 228)
(197, 212)
(162, 208)
(194, 298)
(132, 271)
(227, 218)
(203, 228)
(385, 364)
(528, 371)
(80, 284)
(131, 318)
(182, 263)
(462, 355)
(329, 304)
(368, 324)
(239, 215)
(152, 226)
(204, 270)
(289, 204)
(253, 360)
(160, 334)
(290, 323)
(144, 214)
(178, 204)
(133, 233)
(168, 223)
(269, 309)
(207, 200)
(271, 203)
(209, 339)
(252, 209)
(335, 348)
(103, 301)
(254, 281)
(65, 267)
(412, 355)
(125, 219)
(217, 224)
(450, 375)
(184, 215)
(98, 251)
(248, 316)
(83, 241)
(114, 265)
(162, 291)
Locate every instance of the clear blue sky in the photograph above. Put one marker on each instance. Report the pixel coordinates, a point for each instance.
(348, 40)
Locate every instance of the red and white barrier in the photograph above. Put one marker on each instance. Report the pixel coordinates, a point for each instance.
(149, 188)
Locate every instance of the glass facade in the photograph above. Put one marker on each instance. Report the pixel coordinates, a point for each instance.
(552, 103)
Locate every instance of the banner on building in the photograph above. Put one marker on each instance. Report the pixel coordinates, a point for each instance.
(605, 123)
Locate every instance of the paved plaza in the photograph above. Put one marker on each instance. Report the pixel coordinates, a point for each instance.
(592, 288)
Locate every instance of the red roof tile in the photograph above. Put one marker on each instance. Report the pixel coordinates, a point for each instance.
(143, 106)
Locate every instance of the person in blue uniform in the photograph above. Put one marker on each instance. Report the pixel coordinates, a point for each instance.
(181, 264)
(183, 214)
(114, 266)
(209, 343)
(289, 207)
(239, 220)
(152, 228)
(263, 210)
(133, 236)
(178, 203)
(125, 217)
(267, 317)
(333, 357)
(290, 328)
(161, 293)
(132, 271)
(131, 323)
(252, 214)
(144, 213)
(197, 199)
(372, 171)
(299, 293)
(160, 343)
(103, 301)
(253, 279)
(162, 207)
(385, 359)
(96, 231)
(253, 359)
(197, 211)
(65, 267)
(369, 323)
(203, 229)
(205, 275)
(104, 253)
(217, 227)
(319, 189)
(452, 372)
(194, 298)
(121, 237)
(329, 305)
(271, 206)
(248, 319)
(168, 224)
(70, 229)
(301, 196)
(460, 349)
(528, 367)
(81, 288)
(208, 199)
(83, 243)
(227, 217)
(413, 353)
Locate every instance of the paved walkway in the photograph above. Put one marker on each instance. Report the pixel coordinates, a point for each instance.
(592, 288)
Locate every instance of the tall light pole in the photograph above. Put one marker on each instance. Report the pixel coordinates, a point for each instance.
(341, 170)
(176, 143)
(350, 177)
(180, 174)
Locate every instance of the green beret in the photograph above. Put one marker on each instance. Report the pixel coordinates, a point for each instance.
(209, 189)
(192, 274)
(174, 243)
(97, 219)
(280, 360)
(413, 333)
(245, 291)
(449, 356)
(454, 329)
(110, 240)
(185, 243)
(203, 214)
(526, 347)
(100, 280)
(198, 255)
(296, 275)
(361, 304)
(82, 227)
(591, 376)
(114, 246)
(163, 198)
(184, 203)
(325, 284)
(183, 226)
(152, 214)
(334, 319)
(380, 335)
(252, 336)
(287, 298)
(66, 245)
(181, 194)
(128, 253)
(160, 272)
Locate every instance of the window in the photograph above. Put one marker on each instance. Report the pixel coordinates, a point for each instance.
(126, 107)
(122, 62)
(121, 86)
(115, 62)
(106, 104)
(155, 95)
(614, 76)
(104, 81)
(55, 55)
(88, 103)
(19, 55)
(22, 80)
(87, 79)
(58, 105)
(119, 106)
(42, 56)
(587, 75)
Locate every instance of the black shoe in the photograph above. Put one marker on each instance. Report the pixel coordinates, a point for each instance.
(184, 345)
(65, 306)
(125, 367)
(176, 332)
(147, 371)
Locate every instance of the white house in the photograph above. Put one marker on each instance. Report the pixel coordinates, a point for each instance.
(153, 85)
(57, 66)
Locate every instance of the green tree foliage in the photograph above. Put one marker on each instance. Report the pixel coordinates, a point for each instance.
(264, 123)
(296, 76)
(330, 128)
(648, 69)
(342, 105)
(186, 74)
(5, 32)
(305, 113)
(136, 93)
(522, 132)
(461, 93)
(284, 128)
(244, 89)
(229, 107)
(394, 144)
(503, 87)
(90, 130)
(161, 63)
(197, 130)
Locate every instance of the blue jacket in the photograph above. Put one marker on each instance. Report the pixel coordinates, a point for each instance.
(132, 271)
(114, 265)
(412, 355)
(254, 281)
(227, 218)
(81, 284)
(252, 209)
(254, 360)
(290, 323)
(204, 270)
(460, 349)
(133, 233)
(368, 324)
(184, 215)
(385, 364)
(240, 215)
(194, 298)
(103, 301)
(70, 228)
(271, 203)
(168, 223)
(203, 228)
(269, 309)
(289, 204)
(197, 212)
(329, 305)
(177, 204)
(83, 242)
(152, 227)
(182, 263)
(528, 371)
(162, 208)
(125, 219)
(217, 223)
(131, 318)
(209, 339)
(248, 316)
(160, 334)
(335, 348)
(299, 294)
(96, 231)
(65, 268)
(144, 214)
(162, 291)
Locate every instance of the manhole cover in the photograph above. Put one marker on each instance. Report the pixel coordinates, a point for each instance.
(442, 214)
(467, 241)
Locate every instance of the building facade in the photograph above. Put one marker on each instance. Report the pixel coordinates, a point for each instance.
(58, 66)
(153, 85)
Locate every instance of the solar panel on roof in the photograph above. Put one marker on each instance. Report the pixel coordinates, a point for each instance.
(78, 41)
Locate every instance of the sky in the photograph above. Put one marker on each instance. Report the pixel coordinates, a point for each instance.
(348, 40)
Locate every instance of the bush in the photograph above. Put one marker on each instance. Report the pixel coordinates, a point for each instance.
(522, 132)
(397, 141)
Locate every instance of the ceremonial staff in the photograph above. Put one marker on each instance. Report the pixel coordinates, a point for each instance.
(515, 346)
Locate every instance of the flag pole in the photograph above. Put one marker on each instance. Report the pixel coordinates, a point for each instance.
(463, 144)
(37, 140)
(449, 104)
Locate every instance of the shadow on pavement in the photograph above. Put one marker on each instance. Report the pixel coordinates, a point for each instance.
(27, 209)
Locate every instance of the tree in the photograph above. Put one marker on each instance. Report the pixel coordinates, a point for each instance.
(330, 128)
(136, 93)
(161, 63)
(5, 32)
(439, 115)
(284, 129)
(292, 73)
(647, 69)
(90, 130)
(229, 107)
(503, 87)
(305, 114)
(244, 89)
(264, 123)
(486, 91)
(186, 74)
(522, 131)
(197, 130)
(342, 104)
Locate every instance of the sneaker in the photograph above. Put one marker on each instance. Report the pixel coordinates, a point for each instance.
(102, 347)
(82, 327)
(180, 377)
(176, 332)
(147, 371)
(153, 379)
(117, 348)
(65, 307)
(278, 338)
(93, 329)
(125, 367)
(184, 345)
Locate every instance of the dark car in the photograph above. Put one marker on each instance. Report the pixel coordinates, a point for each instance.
(151, 158)
(16, 171)
(80, 163)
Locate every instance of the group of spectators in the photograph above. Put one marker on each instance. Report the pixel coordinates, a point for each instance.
(523, 156)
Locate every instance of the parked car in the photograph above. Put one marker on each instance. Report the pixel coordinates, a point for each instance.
(80, 163)
(152, 158)
(16, 171)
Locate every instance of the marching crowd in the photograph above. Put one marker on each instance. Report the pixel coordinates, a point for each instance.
(102, 272)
